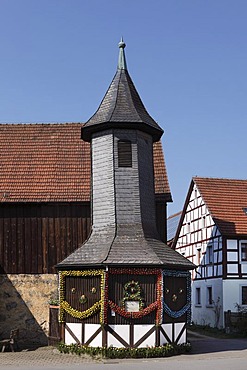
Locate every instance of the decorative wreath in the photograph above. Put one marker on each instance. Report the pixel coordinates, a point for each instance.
(133, 293)
(132, 288)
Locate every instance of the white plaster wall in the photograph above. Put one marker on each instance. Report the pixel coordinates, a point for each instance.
(122, 331)
(232, 244)
(90, 329)
(76, 330)
(140, 331)
(203, 314)
(178, 327)
(168, 330)
(232, 293)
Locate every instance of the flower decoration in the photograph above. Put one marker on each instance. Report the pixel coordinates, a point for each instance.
(93, 290)
(187, 307)
(97, 306)
(133, 315)
(157, 305)
(83, 299)
(81, 314)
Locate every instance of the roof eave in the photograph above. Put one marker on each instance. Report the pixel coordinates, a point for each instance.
(87, 131)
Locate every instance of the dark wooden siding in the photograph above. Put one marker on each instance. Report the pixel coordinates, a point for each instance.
(35, 237)
(175, 296)
(82, 285)
(116, 294)
(161, 216)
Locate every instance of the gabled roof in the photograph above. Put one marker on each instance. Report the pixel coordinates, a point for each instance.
(50, 163)
(122, 106)
(225, 200)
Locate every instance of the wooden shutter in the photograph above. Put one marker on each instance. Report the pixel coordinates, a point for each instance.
(124, 154)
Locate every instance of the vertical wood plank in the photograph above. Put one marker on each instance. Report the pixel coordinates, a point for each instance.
(28, 250)
(44, 243)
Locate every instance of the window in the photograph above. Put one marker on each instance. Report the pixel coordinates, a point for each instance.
(198, 296)
(244, 295)
(124, 154)
(243, 249)
(210, 256)
(198, 256)
(188, 235)
(209, 296)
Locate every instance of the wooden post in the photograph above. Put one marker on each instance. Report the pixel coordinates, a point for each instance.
(157, 336)
(104, 335)
(131, 339)
(62, 333)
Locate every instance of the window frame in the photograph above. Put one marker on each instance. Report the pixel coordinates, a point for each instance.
(124, 150)
(241, 242)
(210, 254)
(198, 297)
(241, 295)
(209, 297)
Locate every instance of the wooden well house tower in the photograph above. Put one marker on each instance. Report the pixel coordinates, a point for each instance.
(123, 287)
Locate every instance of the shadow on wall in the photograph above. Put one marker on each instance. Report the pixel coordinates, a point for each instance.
(18, 296)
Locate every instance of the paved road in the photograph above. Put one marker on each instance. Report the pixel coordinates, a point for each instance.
(208, 353)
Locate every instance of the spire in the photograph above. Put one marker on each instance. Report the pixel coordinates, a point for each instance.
(121, 59)
(121, 106)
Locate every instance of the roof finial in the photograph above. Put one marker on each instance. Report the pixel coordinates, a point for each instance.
(121, 59)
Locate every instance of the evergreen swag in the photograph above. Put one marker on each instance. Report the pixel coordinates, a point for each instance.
(112, 352)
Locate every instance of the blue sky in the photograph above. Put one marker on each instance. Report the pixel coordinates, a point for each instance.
(187, 58)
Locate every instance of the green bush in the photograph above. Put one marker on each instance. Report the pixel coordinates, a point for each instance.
(113, 352)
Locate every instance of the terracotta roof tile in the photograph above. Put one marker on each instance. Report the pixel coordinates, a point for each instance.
(225, 199)
(50, 162)
(160, 174)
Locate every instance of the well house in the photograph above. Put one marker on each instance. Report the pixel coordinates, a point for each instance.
(124, 286)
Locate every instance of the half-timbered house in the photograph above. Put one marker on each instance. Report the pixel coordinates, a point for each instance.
(123, 286)
(212, 233)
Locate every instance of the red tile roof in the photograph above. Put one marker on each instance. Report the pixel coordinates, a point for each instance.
(225, 199)
(50, 163)
(160, 174)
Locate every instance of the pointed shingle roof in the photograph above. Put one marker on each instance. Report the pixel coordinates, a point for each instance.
(121, 107)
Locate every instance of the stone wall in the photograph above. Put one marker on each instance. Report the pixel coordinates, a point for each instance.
(24, 305)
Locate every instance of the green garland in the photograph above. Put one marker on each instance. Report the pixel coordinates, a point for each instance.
(132, 293)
